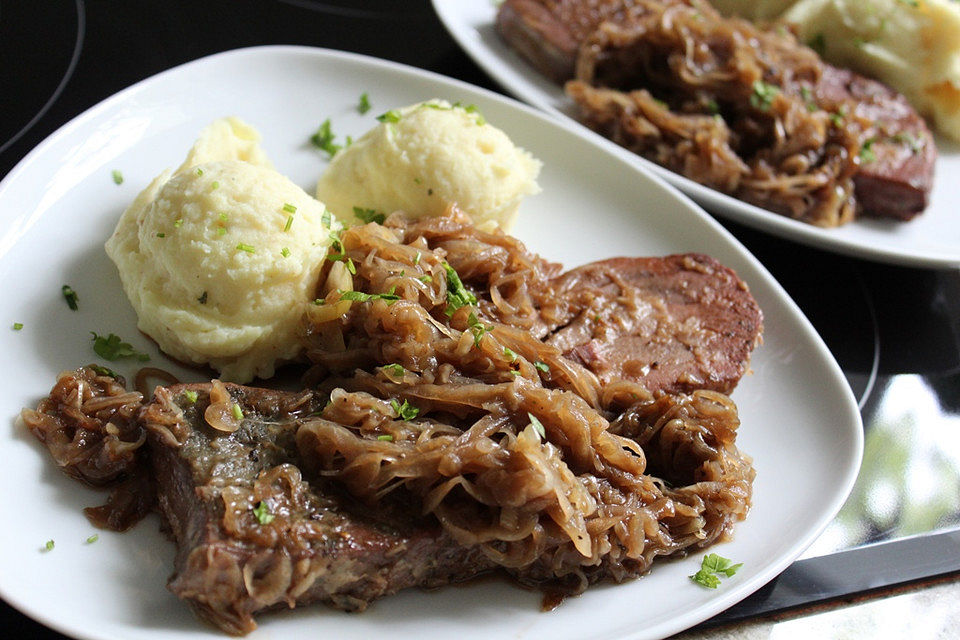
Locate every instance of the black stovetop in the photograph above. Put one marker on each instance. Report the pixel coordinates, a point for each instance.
(895, 331)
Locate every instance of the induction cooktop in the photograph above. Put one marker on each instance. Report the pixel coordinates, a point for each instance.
(895, 331)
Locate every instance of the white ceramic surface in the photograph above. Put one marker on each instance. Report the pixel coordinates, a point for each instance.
(930, 240)
(59, 204)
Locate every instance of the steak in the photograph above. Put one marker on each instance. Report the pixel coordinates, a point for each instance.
(894, 172)
(677, 323)
(311, 543)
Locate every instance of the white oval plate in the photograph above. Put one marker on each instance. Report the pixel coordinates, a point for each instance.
(930, 240)
(59, 204)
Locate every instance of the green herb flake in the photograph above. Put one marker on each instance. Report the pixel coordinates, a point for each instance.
(807, 96)
(416, 260)
(199, 171)
(393, 370)
(542, 366)
(323, 139)
(161, 235)
(48, 546)
(351, 267)
(391, 116)
(245, 247)
(178, 223)
(385, 438)
(712, 107)
(711, 568)
(364, 105)
(100, 370)
(262, 513)
(70, 296)
(510, 354)
(92, 539)
(369, 215)
(113, 348)
(214, 185)
(537, 425)
(236, 411)
(405, 411)
(457, 294)
(221, 231)
(359, 296)
(866, 151)
(289, 224)
(289, 208)
(117, 177)
(818, 43)
(763, 95)
(327, 218)
(425, 278)
(17, 326)
(285, 252)
(191, 395)
(477, 328)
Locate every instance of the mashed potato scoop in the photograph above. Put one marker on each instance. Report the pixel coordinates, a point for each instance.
(219, 258)
(422, 158)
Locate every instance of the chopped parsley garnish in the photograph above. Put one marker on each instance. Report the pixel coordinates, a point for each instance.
(17, 326)
(807, 96)
(113, 348)
(711, 568)
(236, 411)
(289, 208)
(103, 371)
(178, 223)
(190, 395)
(70, 296)
(117, 177)
(818, 43)
(837, 118)
(360, 296)
(224, 217)
(323, 139)
(477, 328)
(203, 298)
(509, 353)
(537, 425)
(327, 218)
(712, 107)
(221, 231)
(351, 267)
(542, 366)
(763, 95)
(405, 411)
(199, 171)
(214, 185)
(393, 370)
(262, 512)
(866, 151)
(160, 234)
(245, 247)
(364, 105)
(289, 224)
(390, 116)
(457, 294)
(385, 438)
(425, 278)
(909, 139)
(48, 545)
(92, 539)
(285, 252)
(369, 215)
(416, 260)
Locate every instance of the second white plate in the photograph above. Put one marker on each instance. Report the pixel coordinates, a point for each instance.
(930, 240)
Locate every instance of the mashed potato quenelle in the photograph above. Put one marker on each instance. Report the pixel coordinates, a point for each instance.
(912, 45)
(426, 156)
(220, 258)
